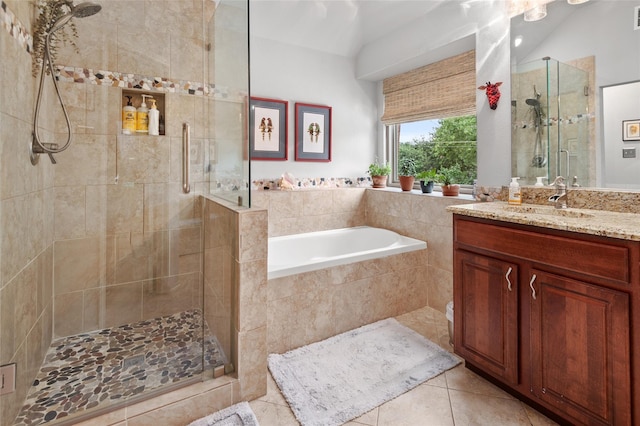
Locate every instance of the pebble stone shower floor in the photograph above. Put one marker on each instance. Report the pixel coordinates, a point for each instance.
(108, 366)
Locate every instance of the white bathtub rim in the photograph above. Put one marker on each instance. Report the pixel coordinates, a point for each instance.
(408, 245)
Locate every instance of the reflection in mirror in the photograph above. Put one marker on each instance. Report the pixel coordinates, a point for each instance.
(598, 38)
(550, 123)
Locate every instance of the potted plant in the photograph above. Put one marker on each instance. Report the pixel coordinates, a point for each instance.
(379, 173)
(447, 178)
(407, 173)
(49, 13)
(427, 178)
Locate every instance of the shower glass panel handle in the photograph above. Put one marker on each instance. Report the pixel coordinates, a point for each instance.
(186, 148)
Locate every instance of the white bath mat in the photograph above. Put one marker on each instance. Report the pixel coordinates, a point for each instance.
(236, 415)
(341, 378)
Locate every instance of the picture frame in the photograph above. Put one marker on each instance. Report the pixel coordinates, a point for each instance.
(631, 130)
(268, 129)
(313, 132)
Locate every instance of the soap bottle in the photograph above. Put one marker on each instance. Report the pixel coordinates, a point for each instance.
(128, 118)
(154, 119)
(142, 116)
(514, 192)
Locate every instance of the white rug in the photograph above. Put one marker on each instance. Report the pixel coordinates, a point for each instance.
(236, 415)
(341, 378)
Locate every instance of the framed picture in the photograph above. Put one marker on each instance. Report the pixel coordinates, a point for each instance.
(268, 129)
(631, 130)
(313, 132)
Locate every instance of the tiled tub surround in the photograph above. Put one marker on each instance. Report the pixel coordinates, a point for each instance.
(334, 300)
(100, 368)
(312, 306)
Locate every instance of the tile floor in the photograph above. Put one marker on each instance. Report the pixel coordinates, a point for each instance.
(105, 367)
(457, 397)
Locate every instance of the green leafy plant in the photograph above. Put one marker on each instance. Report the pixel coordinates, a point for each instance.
(407, 167)
(49, 11)
(378, 169)
(427, 175)
(450, 175)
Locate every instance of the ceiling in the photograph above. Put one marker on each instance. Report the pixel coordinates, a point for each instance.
(341, 27)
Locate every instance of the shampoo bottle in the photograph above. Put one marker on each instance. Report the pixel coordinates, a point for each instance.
(514, 192)
(142, 116)
(128, 118)
(154, 119)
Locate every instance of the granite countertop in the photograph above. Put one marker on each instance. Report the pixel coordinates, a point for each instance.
(624, 226)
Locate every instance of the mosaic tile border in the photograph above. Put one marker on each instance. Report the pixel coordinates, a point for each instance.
(313, 183)
(15, 28)
(557, 121)
(70, 74)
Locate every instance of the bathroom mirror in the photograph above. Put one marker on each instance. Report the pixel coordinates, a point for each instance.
(575, 39)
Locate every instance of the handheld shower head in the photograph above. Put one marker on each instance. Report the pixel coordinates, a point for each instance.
(81, 10)
(533, 102)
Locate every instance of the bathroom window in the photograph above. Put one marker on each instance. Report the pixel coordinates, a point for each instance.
(429, 115)
(435, 144)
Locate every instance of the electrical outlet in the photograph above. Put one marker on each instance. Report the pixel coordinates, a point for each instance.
(7, 378)
(628, 153)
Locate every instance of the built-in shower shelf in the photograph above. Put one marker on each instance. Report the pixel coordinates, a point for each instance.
(136, 101)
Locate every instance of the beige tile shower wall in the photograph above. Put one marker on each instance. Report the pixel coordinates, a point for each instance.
(236, 282)
(423, 217)
(119, 207)
(312, 306)
(26, 220)
(295, 212)
(118, 203)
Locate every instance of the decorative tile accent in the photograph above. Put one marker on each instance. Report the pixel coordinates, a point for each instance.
(312, 183)
(113, 78)
(136, 81)
(15, 28)
(108, 366)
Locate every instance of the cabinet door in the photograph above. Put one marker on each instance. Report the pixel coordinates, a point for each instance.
(580, 349)
(485, 314)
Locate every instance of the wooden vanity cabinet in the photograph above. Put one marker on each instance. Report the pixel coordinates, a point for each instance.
(548, 315)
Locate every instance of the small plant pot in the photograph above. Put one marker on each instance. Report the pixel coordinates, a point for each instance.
(426, 187)
(406, 182)
(379, 181)
(450, 190)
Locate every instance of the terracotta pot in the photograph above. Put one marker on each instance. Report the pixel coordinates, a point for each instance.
(450, 190)
(379, 181)
(426, 187)
(406, 182)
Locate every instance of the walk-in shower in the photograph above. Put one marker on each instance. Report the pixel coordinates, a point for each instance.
(550, 122)
(115, 285)
(38, 147)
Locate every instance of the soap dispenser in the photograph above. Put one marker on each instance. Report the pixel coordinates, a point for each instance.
(128, 118)
(514, 192)
(154, 119)
(142, 116)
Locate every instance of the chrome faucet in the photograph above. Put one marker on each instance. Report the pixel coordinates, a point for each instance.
(559, 199)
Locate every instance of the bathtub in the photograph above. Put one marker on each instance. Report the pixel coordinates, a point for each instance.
(294, 254)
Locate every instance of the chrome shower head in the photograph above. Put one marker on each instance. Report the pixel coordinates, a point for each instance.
(81, 10)
(533, 102)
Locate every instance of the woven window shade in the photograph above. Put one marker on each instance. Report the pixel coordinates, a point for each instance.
(443, 89)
